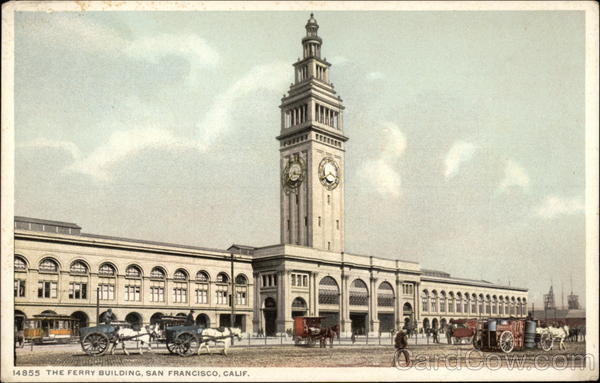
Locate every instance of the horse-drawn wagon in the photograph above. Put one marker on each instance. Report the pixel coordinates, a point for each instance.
(462, 330)
(511, 334)
(95, 340)
(183, 340)
(308, 330)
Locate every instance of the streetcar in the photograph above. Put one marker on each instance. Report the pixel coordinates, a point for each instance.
(50, 328)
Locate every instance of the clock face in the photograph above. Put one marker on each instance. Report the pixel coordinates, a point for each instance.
(329, 173)
(293, 174)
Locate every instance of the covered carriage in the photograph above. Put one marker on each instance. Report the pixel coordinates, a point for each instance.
(307, 330)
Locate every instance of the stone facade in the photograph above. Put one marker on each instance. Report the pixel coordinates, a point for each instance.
(137, 279)
(58, 268)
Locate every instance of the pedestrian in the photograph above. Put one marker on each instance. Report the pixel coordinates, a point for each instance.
(189, 320)
(107, 317)
(434, 332)
(449, 333)
(401, 345)
(353, 337)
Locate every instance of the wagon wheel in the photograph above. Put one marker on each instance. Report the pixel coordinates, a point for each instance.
(186, 344)
(546, 342)
(506, 341)
(171, 347)
(95, 344)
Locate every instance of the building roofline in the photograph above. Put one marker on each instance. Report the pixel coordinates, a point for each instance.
(46, 222)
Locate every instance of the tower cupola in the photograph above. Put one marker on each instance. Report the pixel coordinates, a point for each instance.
(312, 42)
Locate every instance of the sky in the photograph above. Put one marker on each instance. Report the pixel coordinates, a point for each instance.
(467, 136)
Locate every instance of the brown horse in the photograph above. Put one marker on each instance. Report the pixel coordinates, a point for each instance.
(328, 333)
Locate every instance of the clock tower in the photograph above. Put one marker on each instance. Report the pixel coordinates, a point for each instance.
(312, 153)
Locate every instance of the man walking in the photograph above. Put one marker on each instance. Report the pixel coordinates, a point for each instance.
(401, 356)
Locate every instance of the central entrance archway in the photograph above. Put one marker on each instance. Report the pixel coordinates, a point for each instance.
(270, 316)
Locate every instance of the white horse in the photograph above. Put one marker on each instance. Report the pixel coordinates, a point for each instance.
(217, 336)
(143, 336)
(557, 333)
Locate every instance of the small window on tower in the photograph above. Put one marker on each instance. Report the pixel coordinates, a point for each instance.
(328, 199)
(296, 199)
(319, 221)
(305, 221)
(328, 245)
(288, 224)
(337, 224)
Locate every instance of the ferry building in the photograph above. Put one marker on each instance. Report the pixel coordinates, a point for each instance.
(59, 268)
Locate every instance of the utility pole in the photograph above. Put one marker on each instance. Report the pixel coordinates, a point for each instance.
(97, 305)
(232, 321)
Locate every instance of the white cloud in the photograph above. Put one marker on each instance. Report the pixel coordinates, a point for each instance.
(271, 77)
(514, 176)
(554, 206)
(191, 47)
(126, 143)
(375, 76)
(460, 152)
(66, 146)
(95, 38)
(382, 172)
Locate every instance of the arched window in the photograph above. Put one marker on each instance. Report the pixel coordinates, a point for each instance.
(328, 292)
(385, 295)
(241, 280)
(20, 264)
(488, 305)
(202, 280)
(359, 294)
(443, 302)
(434, 301)
(180, 275)
(133, 272)
(49, 265)
(157, 284)
(425, 300)
(222, 278)
(481, 308)
(450, 302)
(157, 273)
(473, 304)
(107, 270)
(78, 267)
(202, 276)
(494, 304)
(501, 306)
(459, 303)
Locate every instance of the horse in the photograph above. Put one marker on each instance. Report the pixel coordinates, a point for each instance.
(143, 336)
(328, 333)
(557, 333)
(221, 335)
